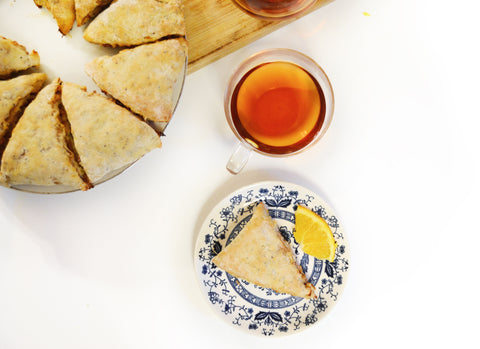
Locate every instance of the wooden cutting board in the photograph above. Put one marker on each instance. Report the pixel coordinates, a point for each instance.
(216, 28)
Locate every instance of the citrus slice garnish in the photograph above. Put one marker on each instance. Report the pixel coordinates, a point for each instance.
(314, 235)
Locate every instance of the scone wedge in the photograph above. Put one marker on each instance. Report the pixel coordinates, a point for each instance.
(62, 10)
(136, 22)
(260, 255)
(38, 152)
(107, 136)
(88, 9)
(15, 57)
(15, 95)
(145, 78)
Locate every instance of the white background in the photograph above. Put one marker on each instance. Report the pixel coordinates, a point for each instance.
(113, 267)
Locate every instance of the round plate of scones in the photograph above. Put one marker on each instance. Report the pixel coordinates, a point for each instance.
(253, 272)
(59, 136)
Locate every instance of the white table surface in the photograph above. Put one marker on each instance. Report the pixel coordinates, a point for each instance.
(113, 267)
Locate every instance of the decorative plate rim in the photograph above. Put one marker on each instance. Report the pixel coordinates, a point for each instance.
(258, 310)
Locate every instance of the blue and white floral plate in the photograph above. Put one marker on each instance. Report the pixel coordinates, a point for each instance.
(256, 309)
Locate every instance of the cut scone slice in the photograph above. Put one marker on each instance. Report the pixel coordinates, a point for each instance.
(38, 152)
(62, 10)
(144, 78)
(88, 9)
(260, 255)
(135, 22)
(107, 136)
(15, 57)
(15, 94)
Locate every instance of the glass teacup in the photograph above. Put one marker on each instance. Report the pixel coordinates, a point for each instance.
(274, 9)
(278, 102)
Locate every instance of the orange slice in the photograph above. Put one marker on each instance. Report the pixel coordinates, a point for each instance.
(314, 235)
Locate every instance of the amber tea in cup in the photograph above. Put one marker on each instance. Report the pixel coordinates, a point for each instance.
(274, 9)
(278, 103)
(278, 107)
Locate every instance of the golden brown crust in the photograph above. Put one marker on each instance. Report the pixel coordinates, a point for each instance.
(106, 136)
(143, 78)
(15, 94)
(14, 57)
(62, 10)
(37, 153)
(260, 255)
(86, 10)
(135, 22)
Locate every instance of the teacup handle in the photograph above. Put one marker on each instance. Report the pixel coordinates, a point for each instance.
(238, 159)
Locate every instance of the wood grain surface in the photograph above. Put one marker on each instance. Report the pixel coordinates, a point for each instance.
(216, 28)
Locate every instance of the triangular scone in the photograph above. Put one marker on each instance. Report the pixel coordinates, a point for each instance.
(14, 57)
(144, 78)
(135, 22)
(88, 9)
(62, 10)
(260, 255)
(15, 94)
(106, 135)
(38, 153)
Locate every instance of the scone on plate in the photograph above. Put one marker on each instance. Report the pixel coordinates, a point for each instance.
(135, 22)
(88, 9)
(38, 152)
(260, 255)
(15, 94)
(14, 57)
(62, 10)
(144, 78)
(106, 135)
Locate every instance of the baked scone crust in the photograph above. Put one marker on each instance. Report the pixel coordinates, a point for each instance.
(37, 152)
(62, 10)
(15, 94)
(260, 255)
(15, 57)
(88, 9)
(135, 22)
(143, 78)
(106, 135)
